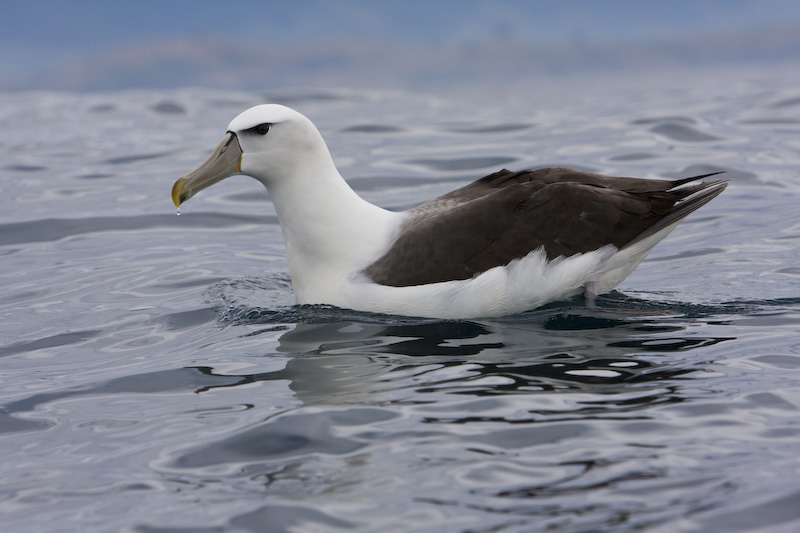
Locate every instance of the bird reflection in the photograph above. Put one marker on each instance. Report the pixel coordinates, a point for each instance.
(606, 350)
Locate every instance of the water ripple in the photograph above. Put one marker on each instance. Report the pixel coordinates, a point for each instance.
(158, 376)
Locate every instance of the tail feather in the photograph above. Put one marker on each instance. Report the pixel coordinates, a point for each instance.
(684, 181)
(690, 199)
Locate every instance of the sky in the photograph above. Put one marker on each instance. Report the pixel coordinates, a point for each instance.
(89, 45)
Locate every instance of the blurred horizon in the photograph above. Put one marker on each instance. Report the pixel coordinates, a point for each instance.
(245, 44)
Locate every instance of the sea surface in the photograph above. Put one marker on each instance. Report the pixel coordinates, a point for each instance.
(156, 375)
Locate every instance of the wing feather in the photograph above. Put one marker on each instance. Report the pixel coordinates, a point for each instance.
(506, 215)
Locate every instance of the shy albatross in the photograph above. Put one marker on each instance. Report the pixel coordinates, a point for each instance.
(507, 243)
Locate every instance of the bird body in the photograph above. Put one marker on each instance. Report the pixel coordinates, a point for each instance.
(507, 243)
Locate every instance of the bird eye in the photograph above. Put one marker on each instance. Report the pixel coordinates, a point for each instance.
(261, 129)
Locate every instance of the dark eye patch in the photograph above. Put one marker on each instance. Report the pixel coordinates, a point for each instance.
(261, 129)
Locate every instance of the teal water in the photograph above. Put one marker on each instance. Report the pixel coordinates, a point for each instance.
(155, 374)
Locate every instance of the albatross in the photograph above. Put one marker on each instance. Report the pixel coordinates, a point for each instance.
(506, 243)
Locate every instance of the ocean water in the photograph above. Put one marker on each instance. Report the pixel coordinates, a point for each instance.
(156, 376)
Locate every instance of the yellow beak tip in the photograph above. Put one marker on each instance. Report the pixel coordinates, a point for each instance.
(225, 161)
(177, 191)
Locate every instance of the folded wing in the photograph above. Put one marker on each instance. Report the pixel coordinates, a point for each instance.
(506, 215)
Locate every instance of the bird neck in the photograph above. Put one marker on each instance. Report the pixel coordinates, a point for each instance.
(327, 228)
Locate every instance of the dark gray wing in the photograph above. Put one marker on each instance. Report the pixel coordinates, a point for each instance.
(506, 215)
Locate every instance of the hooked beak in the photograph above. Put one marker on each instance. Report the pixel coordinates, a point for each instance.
(226, 161)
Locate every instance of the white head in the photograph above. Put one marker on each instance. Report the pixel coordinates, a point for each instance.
(269, 142)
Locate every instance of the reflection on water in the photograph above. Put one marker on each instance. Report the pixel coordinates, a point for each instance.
(551, 351)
